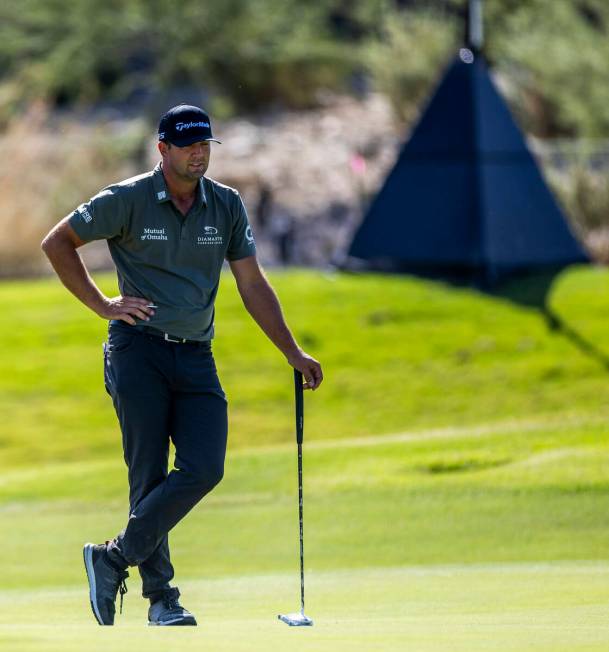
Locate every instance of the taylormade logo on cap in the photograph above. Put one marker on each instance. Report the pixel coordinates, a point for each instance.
(184, 125)
(189, 125)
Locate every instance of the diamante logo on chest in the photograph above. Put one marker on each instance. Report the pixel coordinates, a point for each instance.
(211, 236)
(209, 240)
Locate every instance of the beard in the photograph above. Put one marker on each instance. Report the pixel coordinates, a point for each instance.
(194, 173)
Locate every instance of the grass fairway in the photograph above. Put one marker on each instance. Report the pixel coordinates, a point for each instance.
(456, 476)
(496, 608)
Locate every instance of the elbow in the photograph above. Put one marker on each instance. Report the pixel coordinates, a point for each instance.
(47, 244)
(245, 299)
(52, 243)
(59, 241)
(248, 292)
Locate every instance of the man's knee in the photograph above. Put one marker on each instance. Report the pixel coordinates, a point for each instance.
(214, 474)
(206, 477)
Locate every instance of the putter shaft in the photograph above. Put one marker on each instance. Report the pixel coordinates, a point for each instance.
(299, 619)
(301, 523)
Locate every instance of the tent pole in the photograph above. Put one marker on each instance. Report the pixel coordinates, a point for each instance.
(475, 28)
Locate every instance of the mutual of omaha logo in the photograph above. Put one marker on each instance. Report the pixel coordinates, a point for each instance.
(210, 236)
(154, 234)
(86, 216)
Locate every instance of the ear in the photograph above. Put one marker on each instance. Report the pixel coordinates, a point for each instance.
(163, 147)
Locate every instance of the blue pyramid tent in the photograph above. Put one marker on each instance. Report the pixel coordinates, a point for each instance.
(465, 199)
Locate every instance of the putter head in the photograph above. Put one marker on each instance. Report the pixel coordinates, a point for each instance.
(296, 620)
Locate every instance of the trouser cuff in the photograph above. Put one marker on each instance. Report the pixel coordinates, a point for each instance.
(172, 591)
(115, 556)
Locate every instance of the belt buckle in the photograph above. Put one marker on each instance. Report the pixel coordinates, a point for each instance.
(171, 339)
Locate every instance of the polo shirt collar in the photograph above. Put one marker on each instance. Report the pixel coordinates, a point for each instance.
(162, 193)
(201, 196)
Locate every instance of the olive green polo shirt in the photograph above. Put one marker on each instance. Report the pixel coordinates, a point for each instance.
(161, 255)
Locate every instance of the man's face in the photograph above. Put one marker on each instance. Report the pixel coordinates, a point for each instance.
(188, 163)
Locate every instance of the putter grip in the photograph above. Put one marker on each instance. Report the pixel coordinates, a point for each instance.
(299, 405)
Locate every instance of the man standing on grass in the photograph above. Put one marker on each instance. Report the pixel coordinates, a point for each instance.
(169, 231)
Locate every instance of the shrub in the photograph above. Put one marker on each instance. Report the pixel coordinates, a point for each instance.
(47, 170)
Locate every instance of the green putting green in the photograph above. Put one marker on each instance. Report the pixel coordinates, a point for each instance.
(556, 607)
(456, 476)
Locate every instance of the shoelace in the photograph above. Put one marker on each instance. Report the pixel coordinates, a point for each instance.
(171, 603)
(122, 589)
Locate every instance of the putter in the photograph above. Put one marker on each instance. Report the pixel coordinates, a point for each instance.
(299, 619)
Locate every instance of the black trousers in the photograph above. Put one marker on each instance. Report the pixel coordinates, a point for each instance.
(163, 391)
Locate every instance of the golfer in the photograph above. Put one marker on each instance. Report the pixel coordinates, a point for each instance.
(169, 231)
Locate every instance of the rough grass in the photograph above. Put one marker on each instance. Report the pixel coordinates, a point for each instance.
(398, 354)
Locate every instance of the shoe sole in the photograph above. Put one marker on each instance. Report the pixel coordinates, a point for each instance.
(88, 559)
(174, 623)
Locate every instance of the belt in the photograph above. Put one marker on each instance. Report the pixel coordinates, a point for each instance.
(149, 330)
(171, 338)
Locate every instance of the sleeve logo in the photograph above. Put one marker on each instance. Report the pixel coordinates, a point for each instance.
(86, 216)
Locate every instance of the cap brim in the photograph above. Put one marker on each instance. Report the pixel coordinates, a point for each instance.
(184, 142)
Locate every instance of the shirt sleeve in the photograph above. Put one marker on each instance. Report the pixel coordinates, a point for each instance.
(241, 243)
(103, 217)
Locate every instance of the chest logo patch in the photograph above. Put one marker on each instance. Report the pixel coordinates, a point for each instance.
(210, 236)
(154, 234)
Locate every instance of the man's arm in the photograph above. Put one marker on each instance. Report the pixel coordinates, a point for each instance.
(60, 246)
(263, 305)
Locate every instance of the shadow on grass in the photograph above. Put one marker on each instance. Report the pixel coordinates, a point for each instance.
(532, 291)
(462, 466)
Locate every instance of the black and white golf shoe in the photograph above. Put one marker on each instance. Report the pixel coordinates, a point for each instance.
(105, 581)
(168, 611)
